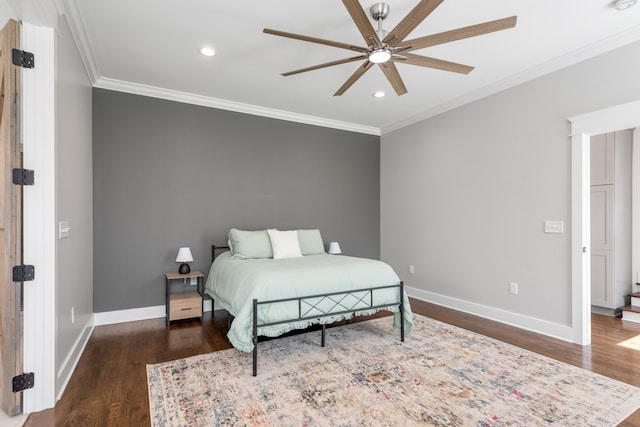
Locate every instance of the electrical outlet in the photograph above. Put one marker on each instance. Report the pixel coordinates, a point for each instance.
(513, 288)
(410, 269)
(73, 314)
(194, 281)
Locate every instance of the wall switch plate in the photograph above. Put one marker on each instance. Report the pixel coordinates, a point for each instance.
(410, 269)
(556, 227)
(513, 288)
(194, 281)
(63, 227)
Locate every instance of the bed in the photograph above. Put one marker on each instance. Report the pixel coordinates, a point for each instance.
(268, 294)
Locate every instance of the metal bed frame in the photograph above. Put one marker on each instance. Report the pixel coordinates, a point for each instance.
(309, 307)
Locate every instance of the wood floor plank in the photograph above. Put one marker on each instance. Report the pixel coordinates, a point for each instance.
(109, 385)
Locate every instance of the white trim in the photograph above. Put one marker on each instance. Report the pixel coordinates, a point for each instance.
(78, 28)
(543, 327)
(135, 314)
(72, 359)
(580, 239)
(620, 117)
(223, 104)
(38, 137)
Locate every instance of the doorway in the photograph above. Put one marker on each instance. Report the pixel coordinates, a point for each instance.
(625, 116)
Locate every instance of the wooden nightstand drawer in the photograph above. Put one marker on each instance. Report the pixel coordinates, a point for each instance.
(185, 306)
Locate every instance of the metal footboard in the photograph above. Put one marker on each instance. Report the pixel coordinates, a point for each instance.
(309, 308)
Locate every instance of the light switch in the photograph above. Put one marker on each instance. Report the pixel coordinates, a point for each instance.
(63, 229)
(554, 227)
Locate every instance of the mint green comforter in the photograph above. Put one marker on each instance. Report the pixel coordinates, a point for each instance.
(234, 283)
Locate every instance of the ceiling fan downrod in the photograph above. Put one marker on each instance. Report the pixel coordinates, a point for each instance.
(379, 12)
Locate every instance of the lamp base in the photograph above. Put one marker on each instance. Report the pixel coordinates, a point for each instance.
(184, 268)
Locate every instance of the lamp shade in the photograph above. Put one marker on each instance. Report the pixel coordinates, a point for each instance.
(184, 255)
(334, 248)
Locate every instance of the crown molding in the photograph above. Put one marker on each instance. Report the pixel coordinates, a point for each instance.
(624, 38)
(206, 101)
(78, 28)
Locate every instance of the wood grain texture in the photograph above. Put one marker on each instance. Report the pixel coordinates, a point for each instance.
(109, 386)
(366, 66)
(391, 73)
(461, 33)
(438, 64)
(10, 221)
(411, 21)
(360, 18)
(314, 40)
(325, 65)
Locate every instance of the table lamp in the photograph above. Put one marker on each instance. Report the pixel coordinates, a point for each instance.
(184, 256)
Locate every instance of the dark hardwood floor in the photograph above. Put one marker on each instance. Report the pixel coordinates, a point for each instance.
(109, 385)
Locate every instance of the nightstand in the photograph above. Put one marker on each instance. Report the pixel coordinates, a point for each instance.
(184, 305)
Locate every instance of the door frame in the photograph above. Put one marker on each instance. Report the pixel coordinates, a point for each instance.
(619, 117)
(39, 242)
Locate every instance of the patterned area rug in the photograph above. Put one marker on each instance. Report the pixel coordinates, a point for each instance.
(440, 376)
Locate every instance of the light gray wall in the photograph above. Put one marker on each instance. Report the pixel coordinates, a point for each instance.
(168, 174)
(464, 195)
(74, 198)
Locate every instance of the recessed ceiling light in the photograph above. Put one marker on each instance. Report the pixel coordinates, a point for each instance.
(624, 4)
(207, 51)
(379, 94)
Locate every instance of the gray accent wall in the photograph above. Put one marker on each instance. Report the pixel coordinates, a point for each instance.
(477, 183)
(168, 174)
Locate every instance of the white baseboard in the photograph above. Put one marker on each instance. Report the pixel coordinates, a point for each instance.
(70, 363)
(135, 314)
(543, 327)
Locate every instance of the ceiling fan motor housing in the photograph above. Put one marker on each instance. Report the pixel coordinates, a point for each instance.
(379, 11)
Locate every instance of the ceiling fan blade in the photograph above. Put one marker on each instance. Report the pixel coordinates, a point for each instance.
(366, 66)
(326, 64)
(411, 21)
(439, 64)
(391, 73)
(362, 21)
(461, 33)
(314, 40)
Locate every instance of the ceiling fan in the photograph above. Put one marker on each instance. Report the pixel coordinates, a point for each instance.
(386, 48)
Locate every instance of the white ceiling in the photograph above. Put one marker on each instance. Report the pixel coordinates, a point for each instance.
(152, 47)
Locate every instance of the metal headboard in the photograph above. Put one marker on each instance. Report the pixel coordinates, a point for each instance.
(217, 250)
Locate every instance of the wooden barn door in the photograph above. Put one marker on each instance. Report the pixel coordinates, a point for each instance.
(10, 223)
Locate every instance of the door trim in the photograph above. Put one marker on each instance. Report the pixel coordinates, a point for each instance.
(38, 133)
(620, 117)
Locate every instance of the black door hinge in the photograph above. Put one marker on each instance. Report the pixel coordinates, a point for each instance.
(23, 176)
(24, 273)
(22, 58)
(23, 381)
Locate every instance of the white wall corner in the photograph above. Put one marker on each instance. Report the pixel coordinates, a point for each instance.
(72, 359)
(71, 10)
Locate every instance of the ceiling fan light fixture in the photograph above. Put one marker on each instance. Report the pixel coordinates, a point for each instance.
(379, 94)
(380, 55)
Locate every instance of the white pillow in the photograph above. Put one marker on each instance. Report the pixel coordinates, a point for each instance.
(284, 244)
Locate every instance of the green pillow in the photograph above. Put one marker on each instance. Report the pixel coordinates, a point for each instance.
(310, 242)
(250, 244)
